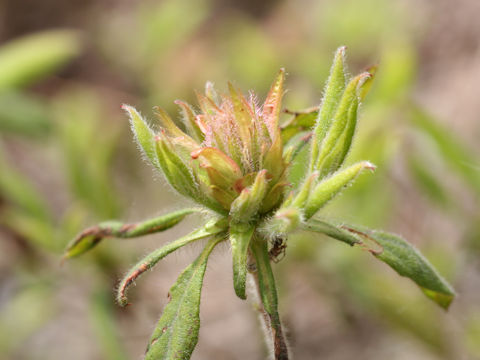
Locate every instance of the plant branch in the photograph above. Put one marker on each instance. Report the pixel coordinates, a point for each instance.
(266, 290)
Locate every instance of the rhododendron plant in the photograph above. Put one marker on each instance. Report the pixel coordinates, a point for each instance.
(233, 162)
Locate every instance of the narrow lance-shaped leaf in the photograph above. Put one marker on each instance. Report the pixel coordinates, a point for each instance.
(333, 185)
(90, 237)
(176, 333)
(333, 93)
(240, 237)
(210, 229)
(334, 160)
(144, 135)
(341, 119)
(395, 251)
(269, 298)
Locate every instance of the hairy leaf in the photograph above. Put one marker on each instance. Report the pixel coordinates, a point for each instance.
(90, 237)
(176, 333)
(331, 100)
(331, 186)
(395, 251)
(210, 229)
(240, 237)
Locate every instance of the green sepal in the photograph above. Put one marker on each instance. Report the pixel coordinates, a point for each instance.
(90, 237)
(273, 103)
(176, 334)
(214, 227)
(246, 205)
(240, 237)
(273, 158)
(222, 163)
(332, 95)
(395, 251)
(178, 175)
(144, 135)
(242, 115)
(328, 188)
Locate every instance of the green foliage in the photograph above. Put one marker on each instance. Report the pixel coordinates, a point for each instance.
(24, 60)
(394, 251)
(176, 333)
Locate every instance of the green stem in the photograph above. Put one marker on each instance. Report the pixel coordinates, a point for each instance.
(265, 286)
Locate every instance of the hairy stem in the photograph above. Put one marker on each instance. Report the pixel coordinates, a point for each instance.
(265, 287)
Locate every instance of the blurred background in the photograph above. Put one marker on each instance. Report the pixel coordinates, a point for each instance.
(67, 161)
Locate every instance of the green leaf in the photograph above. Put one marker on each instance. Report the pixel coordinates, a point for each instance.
(176, 334)
(28, 58)
(214, 227)
(456, 154)
(332, 186)
(24, 114)
(395, 251)
(331, 100)
(102, 319)
(90, 237)
(339, 136)
(144, 135)
(240, 237)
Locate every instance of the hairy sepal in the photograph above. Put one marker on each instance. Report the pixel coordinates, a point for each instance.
(247, 204)
(144, 135)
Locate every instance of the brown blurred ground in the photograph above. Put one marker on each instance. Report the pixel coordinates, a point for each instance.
(323, 322)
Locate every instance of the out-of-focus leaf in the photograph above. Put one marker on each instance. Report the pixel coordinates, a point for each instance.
(18, 190)
(458, 156)
(22, 315)
(176, 333)
(105, 328)
(23, 114)
(37, 231)
(405, 259)
(26, 59)
(88, 147)
(429, 183)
